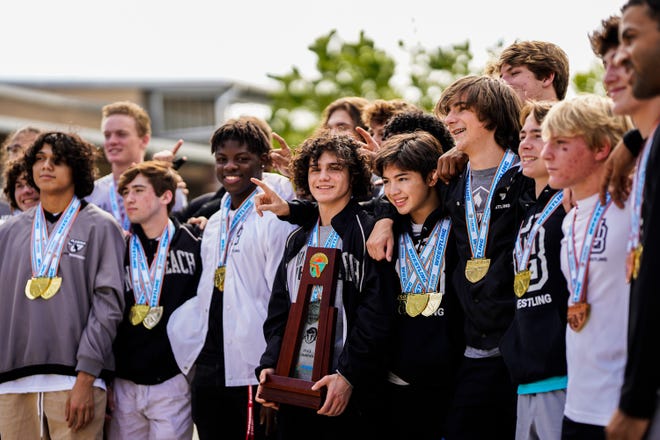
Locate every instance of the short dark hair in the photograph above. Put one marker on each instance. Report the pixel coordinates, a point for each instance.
(380, 111)
(653, 5)
(606, 37)
(76, 153)
(347, 150)
(161, 176)
(418, 151)
(410, 122)
(493, 101)
(244, 131)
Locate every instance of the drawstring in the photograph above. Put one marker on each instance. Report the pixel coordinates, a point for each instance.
(250, 422)
(40, 413)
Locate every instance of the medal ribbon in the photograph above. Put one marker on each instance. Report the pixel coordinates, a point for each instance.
(479, 235)
(638, 196)
(330, 242)
(521, 252)
(424, 276)
(579, 269)
(117, 212)
(149, 280)
(227, 230)
(46, 259)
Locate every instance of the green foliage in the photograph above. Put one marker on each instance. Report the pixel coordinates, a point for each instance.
(433, 70)
(590, 81)
(345, 69)
(359, 69)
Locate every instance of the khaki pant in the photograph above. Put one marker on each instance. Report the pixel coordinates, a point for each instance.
(20, 420)
(151, 412)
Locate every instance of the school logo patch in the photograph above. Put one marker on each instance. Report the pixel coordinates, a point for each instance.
(74, 246)
(317, 263)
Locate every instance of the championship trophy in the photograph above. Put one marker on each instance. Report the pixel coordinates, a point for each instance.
(307, 346)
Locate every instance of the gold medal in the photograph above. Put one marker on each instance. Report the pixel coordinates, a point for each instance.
(53, 288)
(138, 313)
(416, 303)
(153, 317)
(521, 282)
(578, 315)
(637, 260)
(36, 287)
(435, 298)
(476, 269)
(630, 262)
(219, 279)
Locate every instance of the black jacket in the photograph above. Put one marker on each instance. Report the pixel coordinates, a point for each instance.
(642, 376)
(145, 356)
(426, 350)
(368, 299)
(488, 304)
(534, 346)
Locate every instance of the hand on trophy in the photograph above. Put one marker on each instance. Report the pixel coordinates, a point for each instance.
(338, 395)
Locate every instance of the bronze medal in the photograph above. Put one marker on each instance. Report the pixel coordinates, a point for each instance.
(416, 303)
(138, 313)
(476, 269)
(637, 260)
(53, 288)
(578, 315)
(435, 298)
(219, 279)
(153, 317)
(36, 287)
(521, 282)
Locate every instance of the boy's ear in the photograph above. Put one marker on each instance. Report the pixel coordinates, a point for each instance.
(603, 152)
(166, 197)
(547, 82)
(432, 178)
(265, 160)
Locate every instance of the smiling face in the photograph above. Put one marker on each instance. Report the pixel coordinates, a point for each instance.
(123, 146)
(329, 181)
(235, 164)
(51, 174)
(617, 84)
(466, 128)
(640, 49)
(410, 193)
(531, 144)
(25, 195)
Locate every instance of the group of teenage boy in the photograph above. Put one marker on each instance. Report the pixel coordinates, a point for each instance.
(495, 277)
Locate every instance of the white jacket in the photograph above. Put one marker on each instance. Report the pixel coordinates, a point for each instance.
(254, 255)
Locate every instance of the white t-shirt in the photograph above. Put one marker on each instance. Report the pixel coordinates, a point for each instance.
(596, 355)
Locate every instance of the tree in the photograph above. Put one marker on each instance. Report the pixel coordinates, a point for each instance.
(360, 69)
(433, 70)
(590, 81)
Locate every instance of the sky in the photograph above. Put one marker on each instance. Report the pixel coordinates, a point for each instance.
(247, 40)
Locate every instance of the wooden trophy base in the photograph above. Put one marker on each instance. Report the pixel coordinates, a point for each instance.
(292, 391)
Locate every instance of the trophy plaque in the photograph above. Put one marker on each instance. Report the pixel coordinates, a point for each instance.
(307, 340)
